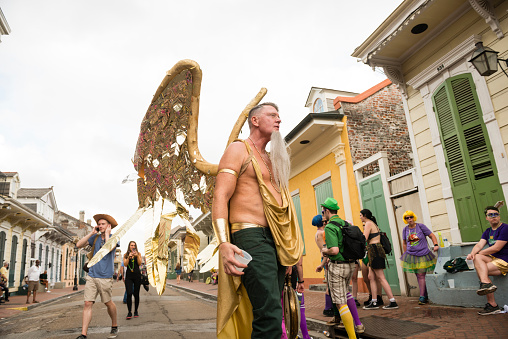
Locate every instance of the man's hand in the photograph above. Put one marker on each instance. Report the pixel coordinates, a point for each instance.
(470, 256)
(289, 270)
(319, 268)
(227, 251)
(300, 288)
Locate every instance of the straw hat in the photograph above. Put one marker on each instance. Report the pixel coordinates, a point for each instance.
(106, 217)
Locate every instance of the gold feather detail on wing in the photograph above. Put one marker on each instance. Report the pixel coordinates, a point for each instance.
(191, 249)
(156, 253)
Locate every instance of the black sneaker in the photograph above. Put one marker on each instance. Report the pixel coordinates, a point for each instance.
(371, 306)
(357, 303)
(393, 305)
(81, 337)
(129, 316)
(365, 303)
(380, 301)
(136, 314)
(113, 333)
(328, 313)
(489, 309)
(486, 288)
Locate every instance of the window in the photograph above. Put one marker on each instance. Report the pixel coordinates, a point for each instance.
(322, 191)
(296, 202)
(318, 106)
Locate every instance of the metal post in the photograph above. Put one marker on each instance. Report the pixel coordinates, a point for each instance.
(75, 288)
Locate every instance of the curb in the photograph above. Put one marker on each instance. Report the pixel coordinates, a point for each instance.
(191, 291)
(312, 324)
(54, 299)
(32, 305)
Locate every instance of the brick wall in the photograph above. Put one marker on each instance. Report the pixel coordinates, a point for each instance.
(378, 124)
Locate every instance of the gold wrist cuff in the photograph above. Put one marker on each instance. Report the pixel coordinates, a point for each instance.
(227, 170)
(221, 229)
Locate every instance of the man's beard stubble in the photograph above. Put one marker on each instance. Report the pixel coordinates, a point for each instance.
(281, 161)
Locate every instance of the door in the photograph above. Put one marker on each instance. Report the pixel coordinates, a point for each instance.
(371, 191)
(12, 266)
(402, 204)
(23, 260)
(2, 247)
(468, 152)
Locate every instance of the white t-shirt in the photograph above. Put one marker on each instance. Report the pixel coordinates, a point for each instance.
(33, 273)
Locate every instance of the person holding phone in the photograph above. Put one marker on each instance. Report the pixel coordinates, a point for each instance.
(100, 276)
(132, 261)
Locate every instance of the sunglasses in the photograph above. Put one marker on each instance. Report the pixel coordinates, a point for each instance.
(492, 215)
(408, 217)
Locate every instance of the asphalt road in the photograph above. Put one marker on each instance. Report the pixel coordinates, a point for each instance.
(175, 314)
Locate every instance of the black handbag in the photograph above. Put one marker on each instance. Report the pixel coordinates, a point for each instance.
(145, 282)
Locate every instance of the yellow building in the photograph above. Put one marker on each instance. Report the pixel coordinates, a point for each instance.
(325, 149)
(458, 119)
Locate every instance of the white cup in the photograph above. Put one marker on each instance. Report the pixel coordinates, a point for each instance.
(470, 264)
(243, 260)
(451, 283)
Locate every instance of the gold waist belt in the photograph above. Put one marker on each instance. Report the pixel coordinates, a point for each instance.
(237, 226)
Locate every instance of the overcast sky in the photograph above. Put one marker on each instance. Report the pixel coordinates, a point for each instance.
(76, 79)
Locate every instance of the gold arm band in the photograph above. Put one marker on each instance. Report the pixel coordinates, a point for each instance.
(227, 170)
(221, 229)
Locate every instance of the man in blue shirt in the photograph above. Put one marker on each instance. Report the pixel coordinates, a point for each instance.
(100, 277)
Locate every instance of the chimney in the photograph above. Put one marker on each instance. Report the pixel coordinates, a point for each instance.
(82, 216)
(89, 221)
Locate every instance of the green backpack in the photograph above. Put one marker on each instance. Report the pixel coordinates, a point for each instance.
(456, 265)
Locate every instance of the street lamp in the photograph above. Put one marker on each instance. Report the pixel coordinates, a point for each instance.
(485, 60)
(75, 288)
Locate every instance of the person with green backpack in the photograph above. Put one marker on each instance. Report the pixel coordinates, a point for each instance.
(340, 266)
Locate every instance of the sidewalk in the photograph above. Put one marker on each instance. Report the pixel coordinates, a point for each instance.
(17, 303)
(410, 320)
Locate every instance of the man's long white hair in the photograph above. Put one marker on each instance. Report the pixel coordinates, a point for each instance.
(280, 158)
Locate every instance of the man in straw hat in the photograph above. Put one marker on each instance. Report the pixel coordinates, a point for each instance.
(100, 277)
(253, 211)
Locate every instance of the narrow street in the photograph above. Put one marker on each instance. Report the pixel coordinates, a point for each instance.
(175, 314)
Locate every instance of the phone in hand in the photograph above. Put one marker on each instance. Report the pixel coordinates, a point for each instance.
(97, 228)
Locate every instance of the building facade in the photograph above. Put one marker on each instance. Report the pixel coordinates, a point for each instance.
(457, 118)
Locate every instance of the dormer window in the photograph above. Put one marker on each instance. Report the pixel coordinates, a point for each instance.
(318, 106)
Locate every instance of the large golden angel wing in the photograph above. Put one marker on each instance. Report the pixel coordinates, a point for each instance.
(170, 165)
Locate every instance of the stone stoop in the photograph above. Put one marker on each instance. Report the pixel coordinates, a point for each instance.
(466, 282)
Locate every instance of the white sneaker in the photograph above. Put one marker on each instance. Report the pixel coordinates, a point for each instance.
(48, 291)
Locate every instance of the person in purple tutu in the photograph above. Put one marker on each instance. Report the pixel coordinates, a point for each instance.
(417, 257)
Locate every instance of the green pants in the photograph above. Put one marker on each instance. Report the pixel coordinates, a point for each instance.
(263, 280)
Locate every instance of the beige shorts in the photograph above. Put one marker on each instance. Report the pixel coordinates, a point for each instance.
(501, 264)
(339, 276)
(98, 286)
(33, 286)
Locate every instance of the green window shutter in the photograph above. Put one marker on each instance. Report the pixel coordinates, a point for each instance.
(322, 191)
(468, 154)
(298, 208)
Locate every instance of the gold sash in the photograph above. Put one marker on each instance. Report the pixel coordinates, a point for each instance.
(234, 310)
